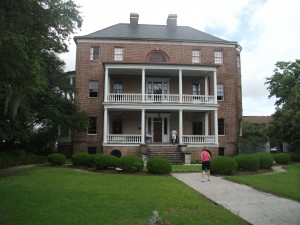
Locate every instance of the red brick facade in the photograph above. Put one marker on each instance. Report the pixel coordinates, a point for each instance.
(177, 53)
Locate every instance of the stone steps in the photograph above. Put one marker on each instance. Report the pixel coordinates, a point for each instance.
(169, 152)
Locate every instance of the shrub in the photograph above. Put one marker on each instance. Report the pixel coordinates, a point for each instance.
(265, 160)
(80, 159)
(104, 161)
(92, 159)
(131, 164)
(249, 162)
(282, 158)
(57, 159)
(295, 157)
(158, 165)
(8, 160)
(223, 165)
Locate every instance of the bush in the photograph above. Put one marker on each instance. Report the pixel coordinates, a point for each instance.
(295, 157)
(223, 165)
(104, 161)
(57, 159)
(265, 160)
(282, 158)
(158, 165)
(92, 159)
(9, 160)
(131, 164)
(249, 162)
(80, 159)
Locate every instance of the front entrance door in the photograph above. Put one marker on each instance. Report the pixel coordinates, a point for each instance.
(157, 130)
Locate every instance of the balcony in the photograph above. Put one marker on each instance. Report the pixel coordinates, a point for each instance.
(159, 98)
(136, 139)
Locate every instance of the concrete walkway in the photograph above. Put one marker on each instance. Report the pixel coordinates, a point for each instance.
(256, 207)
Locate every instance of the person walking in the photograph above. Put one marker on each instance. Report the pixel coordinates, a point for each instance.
(205, 158)
(174, 135)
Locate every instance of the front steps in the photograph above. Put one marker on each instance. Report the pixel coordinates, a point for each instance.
(169, 152)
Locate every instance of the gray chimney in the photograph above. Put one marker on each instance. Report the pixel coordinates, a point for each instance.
(172, 21)
(134, 18)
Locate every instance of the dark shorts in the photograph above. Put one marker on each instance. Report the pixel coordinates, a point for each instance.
(206, 165)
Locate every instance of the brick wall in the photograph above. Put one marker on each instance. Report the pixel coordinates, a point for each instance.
(230, 109)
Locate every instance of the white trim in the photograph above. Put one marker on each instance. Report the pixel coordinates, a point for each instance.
(187, 43)
(162, 67)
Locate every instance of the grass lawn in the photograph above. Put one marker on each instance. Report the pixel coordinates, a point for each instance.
(51, 195)
(286, 184)
(186, 168)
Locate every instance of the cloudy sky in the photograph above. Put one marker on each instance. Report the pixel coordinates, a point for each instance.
(267, 30)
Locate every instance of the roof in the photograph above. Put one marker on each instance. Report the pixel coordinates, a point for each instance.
(258, 119)
(123, 31)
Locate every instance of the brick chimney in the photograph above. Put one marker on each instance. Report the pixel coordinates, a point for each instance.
(134, 18)
(172, 21)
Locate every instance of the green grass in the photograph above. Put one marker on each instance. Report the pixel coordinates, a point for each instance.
(285, 184)
(51, 195)
(186, 168)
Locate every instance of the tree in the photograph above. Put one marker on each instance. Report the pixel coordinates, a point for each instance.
(32, 80)
(285, 86)
(254, 138)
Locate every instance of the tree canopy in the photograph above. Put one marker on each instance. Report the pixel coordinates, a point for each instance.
(33, 85)
(285, 86)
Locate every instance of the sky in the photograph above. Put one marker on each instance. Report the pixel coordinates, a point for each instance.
(267, 30)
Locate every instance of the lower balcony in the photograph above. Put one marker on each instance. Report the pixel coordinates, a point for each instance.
(136, 139)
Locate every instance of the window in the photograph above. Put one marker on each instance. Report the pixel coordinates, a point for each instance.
(196, 89)
(118, 54)
(218, 57)
(92, 125)
(94, 53)
(220, 90)
(196, 56)
(92, 150)
(221, 151)
(157, 57)
(238, 61)
(94, 88)
(197, 128)
(117, 127)
(221, 126)
(118, 87)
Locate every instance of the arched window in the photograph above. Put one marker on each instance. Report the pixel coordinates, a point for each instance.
(157, 57)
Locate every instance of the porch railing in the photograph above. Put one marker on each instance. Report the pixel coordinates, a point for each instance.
(136, 139)
(198, 139)
(124, 138)
(164, 98)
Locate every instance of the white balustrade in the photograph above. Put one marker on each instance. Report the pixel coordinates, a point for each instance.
(164, 98)
(198, 139)
(123, 138)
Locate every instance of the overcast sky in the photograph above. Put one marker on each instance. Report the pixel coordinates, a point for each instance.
(267, 30)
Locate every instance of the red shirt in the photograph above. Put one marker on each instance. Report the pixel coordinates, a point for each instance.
(205, 156)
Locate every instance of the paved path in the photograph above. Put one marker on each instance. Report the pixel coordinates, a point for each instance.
(256, 207)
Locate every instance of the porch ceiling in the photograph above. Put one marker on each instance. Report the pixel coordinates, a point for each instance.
(159, 70)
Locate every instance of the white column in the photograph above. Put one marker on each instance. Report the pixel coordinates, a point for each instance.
(106, 86)
(180, 86)
(206, 86)
(215, 86)
(105, 117)
(180, 126)
(143, 126)
(216, 127)
(143, 85)
(206, 123)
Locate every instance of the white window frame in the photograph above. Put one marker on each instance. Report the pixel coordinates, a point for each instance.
(218, 57)
(118, 54)
(93, 55)
(196, 57)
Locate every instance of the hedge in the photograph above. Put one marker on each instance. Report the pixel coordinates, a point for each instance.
(266, 161)
(158, 165)
(282, 158)
(57, 159)
(131, 164)
(223, 165)
(248, 162)
(80, 159)
(104, 161)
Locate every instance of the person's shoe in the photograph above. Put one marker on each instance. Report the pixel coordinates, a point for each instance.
(208, 179)
(203, 180)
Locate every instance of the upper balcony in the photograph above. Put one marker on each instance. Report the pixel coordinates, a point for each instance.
(169, 84)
